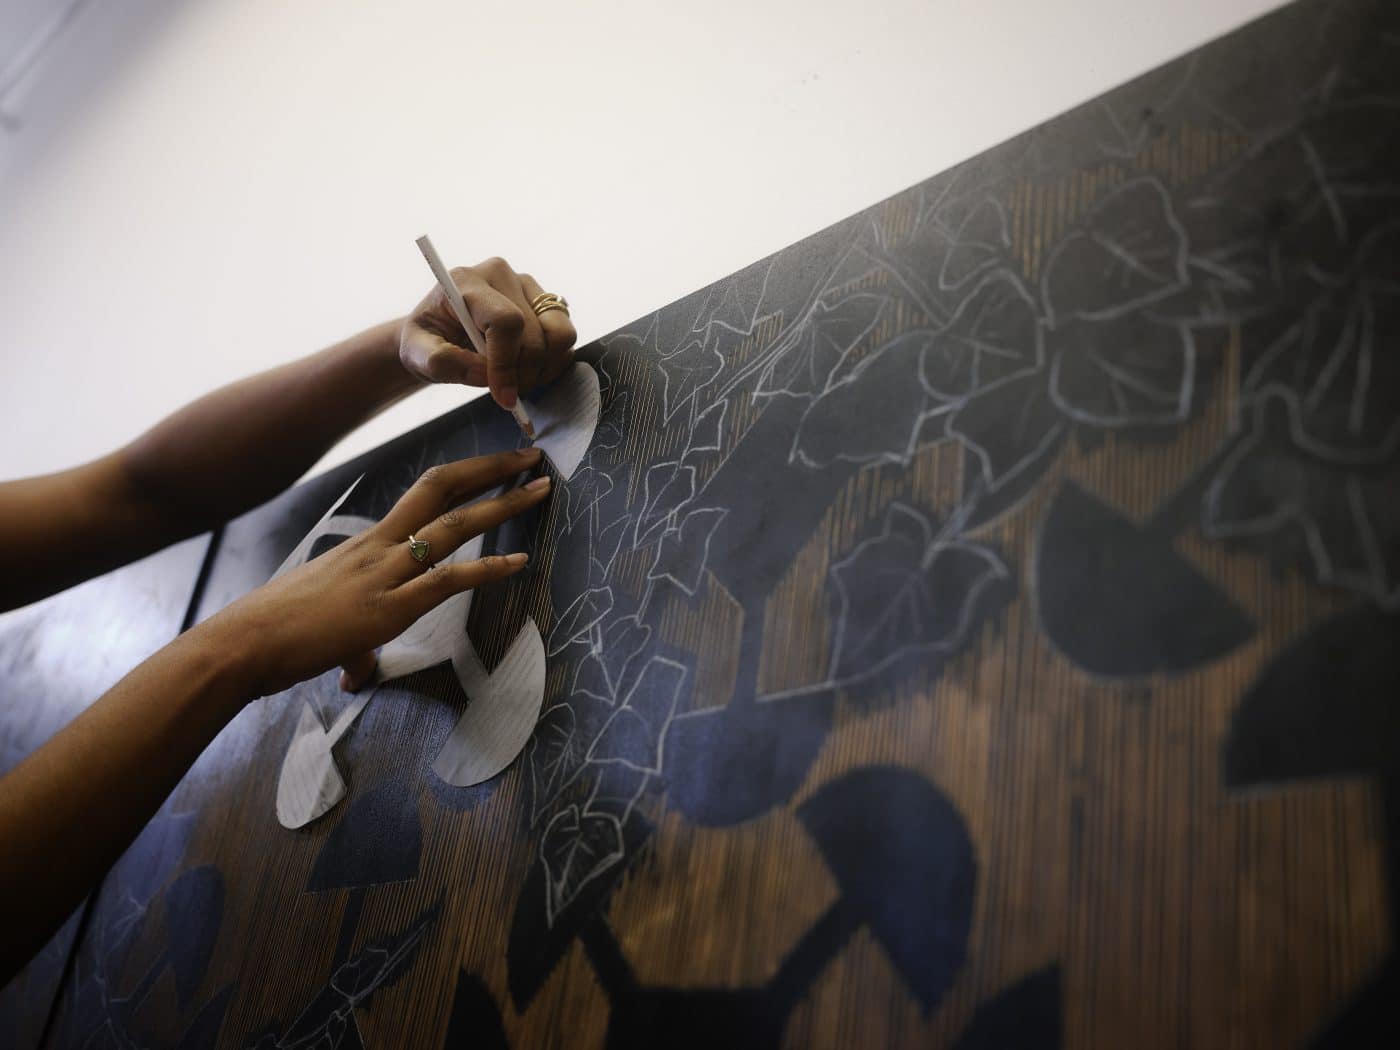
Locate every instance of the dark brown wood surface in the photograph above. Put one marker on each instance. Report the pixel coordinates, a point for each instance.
(1031, 599)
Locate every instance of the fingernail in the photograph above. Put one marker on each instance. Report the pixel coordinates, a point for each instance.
(541, 482)
(346, 685)
(508, 397)
(528, 452)
(517, 559)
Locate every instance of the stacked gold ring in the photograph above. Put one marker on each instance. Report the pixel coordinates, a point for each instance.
(548, 301)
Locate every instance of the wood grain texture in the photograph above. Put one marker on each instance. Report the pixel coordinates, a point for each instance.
(908, 623)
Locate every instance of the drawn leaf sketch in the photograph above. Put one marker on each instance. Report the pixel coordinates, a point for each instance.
(1010, 428)
(578, 619)
(993, 336)
(831, 333)
(1342, 524)
(1123, 372)
(1128, 252)
(688, 371)
(839, 426)
(577, 848)
(635, 735)
(980, 242)
(908, 590)
(684, 549)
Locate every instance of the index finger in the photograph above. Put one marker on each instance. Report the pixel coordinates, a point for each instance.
(446, 486)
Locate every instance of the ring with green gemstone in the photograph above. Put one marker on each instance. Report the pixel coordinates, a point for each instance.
(418, 548)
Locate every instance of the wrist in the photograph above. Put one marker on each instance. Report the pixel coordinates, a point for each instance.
(224, 655)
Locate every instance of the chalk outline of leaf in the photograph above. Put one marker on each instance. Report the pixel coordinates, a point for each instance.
(554, 889)
(1256, 389)
(804, 340)
(934, 544)
(1085, 230)
(1037, 357)
(629, 709)
(543, 793)
(651, 502)
(652, 574)
(580, 632)
(1183, 399)
(797, 454)
(1215, 525)
(721, 407)
(578, 499)
(959, 241)
(1052, 435)
(644, 630)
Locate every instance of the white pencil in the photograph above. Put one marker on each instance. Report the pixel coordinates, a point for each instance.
(459, 307)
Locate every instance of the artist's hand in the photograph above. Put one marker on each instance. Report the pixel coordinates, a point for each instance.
(339, 607)
(523, 350)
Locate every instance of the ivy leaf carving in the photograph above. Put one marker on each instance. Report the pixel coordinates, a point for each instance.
(685, 549)
(1010, 427)
(980, 243)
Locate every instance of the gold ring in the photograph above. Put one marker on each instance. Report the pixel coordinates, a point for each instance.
(549, 301)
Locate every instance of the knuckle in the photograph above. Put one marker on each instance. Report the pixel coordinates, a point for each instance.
(440, 575)
(434, 477)
(495, 267)
(451, 520)
(526, 278)
(509, 319)
(460, 273)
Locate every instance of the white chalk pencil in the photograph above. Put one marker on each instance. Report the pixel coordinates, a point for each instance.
(459, 307)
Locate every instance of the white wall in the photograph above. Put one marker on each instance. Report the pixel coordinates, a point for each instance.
(203, 189)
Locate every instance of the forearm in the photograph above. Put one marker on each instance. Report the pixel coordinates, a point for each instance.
(246, 442)
(69, 810)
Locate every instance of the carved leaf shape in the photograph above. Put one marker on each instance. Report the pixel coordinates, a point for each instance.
(993, 335)
(1124, 372)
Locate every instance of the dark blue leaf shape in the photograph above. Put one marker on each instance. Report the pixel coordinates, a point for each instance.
(993, 335)
(554, 757)
(873, 413)
(1128, 252)
(1119, 601)
(378, 840)
(1025, 1016)
(539, 936)
(203, 1031)
(909, 593)
(635, 735)
(623, 641)
(901, 854)
(1324, 707)
(194, 911)
(1012, 428)
(1342, 524)
(730, 764)
(1124, 372)
(475, 1020)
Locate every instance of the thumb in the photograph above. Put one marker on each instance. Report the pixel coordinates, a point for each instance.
(356, 672)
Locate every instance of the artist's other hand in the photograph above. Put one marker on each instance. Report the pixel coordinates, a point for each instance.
(523, 350)
(339, 607)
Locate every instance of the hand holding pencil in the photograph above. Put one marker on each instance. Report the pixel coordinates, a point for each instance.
(487, 325)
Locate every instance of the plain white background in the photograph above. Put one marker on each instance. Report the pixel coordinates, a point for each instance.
(199, 189)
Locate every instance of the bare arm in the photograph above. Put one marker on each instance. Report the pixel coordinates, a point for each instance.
(239, 446)
(70, 809)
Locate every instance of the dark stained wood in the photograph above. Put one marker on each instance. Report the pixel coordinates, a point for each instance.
(1081, 439)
